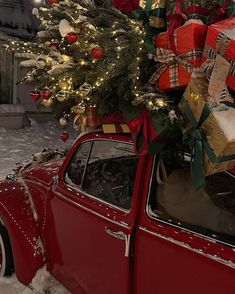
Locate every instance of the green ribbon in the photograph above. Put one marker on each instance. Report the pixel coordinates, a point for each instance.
(197, 141)
(143, 15)
(166, 133)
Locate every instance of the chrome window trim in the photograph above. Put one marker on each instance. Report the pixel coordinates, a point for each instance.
(79, 190)
(87, 160)
(155, 217)
(91, 211)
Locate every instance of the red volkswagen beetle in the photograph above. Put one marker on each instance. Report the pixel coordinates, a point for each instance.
(104, 222)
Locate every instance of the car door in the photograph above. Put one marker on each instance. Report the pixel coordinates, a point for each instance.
(92, 215)
(185, 241)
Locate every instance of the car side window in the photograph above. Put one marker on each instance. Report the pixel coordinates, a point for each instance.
(74, 173)
(210, 211)
(110, 173)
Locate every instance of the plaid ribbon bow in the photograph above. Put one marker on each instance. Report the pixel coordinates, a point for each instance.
(222, 44)
(166, 58)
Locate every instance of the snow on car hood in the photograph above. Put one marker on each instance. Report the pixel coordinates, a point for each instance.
(43, 172)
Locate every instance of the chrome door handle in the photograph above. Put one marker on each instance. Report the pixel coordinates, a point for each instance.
(118, 235)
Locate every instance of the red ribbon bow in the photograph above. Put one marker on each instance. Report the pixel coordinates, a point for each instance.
(221, 12)
(139, 124)
(143, 123)
(180, 17)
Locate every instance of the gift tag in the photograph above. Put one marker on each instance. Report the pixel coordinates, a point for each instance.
(218, 78)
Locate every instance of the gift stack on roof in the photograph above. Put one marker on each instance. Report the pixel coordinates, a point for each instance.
(167, 66)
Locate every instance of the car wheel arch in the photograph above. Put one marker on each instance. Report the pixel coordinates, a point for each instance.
(17, 217)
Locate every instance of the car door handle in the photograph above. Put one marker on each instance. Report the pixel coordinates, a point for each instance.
(118, 235)
(121, 236)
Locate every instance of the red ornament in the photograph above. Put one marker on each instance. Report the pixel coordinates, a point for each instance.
(35, 95)
(45, 93)
(64, 136)
(54, 46)
(71, 37)
(53, 1)
(97, 53)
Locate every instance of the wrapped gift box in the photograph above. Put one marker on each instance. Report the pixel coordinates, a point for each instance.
(174, 70)
(194, 9)
(220, 40)
(208, 128)
(156, 12)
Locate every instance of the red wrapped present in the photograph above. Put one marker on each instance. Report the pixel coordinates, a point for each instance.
(220, 40)
(174, 69)
(114, 123)
(92, 118)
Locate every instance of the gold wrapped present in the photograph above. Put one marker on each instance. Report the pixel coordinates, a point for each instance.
(156, 12)
(210, 131)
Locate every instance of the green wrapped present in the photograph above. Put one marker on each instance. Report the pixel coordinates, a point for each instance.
(209, 131)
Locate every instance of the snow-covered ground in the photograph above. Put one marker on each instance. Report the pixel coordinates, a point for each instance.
(18, 146)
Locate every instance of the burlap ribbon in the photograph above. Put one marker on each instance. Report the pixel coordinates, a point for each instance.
(222, 44)
(167, 58)
(80, 122)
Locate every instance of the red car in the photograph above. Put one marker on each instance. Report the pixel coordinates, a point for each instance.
(103, 223)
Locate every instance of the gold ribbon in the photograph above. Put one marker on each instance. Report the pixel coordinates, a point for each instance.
(167, 58)
(82, 120)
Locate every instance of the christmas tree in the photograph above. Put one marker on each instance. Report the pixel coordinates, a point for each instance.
(86, 58)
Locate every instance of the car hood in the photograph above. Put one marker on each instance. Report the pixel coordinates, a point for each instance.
(44, 172)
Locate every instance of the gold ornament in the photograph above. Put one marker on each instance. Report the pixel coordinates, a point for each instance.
(63, 121)
(47, 102)
(62, 96)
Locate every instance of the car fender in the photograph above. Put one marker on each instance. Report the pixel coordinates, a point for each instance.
(20, 218)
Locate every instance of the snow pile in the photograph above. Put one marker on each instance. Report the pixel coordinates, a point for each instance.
(226, 121)
(11, 286)
(42, 283)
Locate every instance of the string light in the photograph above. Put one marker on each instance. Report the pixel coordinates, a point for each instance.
(90, 35)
